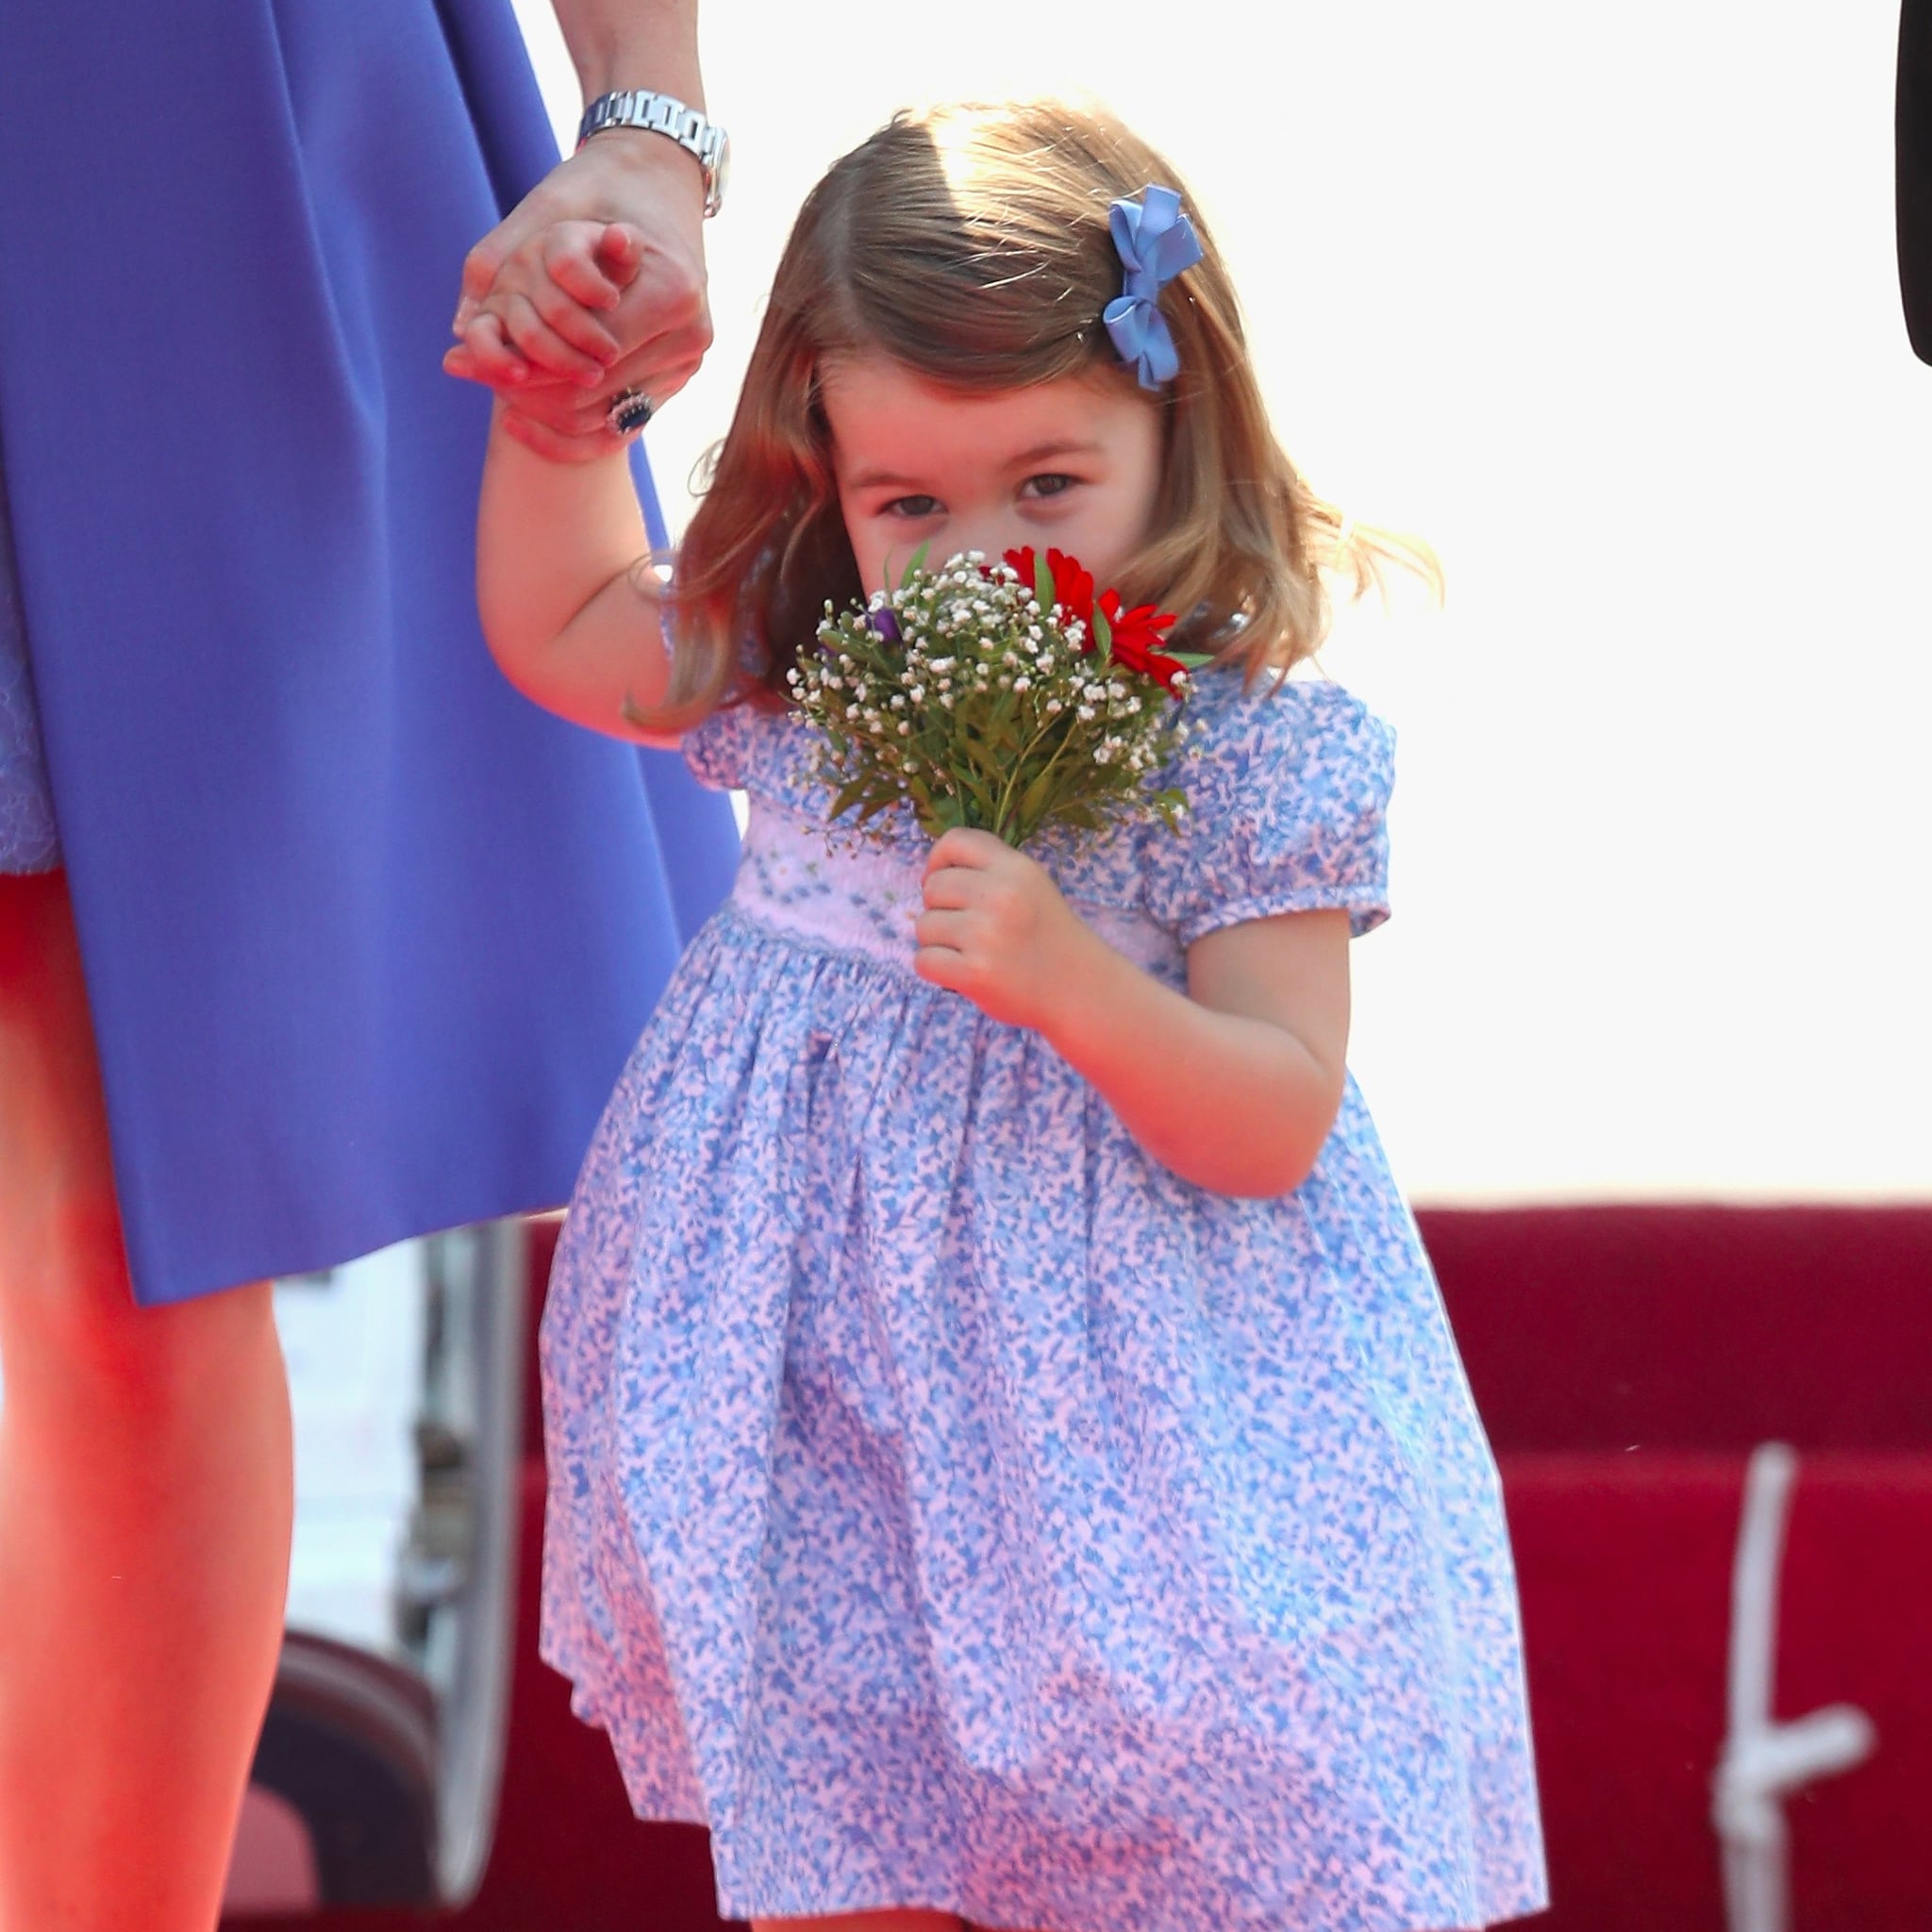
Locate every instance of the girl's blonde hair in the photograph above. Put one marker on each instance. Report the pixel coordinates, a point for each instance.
(971, 244)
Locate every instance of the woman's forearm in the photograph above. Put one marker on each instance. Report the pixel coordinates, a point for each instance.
(634, 43)
(1232, 1103)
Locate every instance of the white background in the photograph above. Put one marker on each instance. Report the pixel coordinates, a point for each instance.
(1603, 303)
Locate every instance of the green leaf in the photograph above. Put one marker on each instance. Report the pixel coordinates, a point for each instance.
(970, 780)
(913, 569)
(1103, 636)
(1033, 800)
(1043, 582)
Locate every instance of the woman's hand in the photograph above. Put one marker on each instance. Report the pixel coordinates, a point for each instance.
(592, 284)
(996, 929)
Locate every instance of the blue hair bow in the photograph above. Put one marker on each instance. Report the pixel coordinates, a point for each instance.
(1154, 241)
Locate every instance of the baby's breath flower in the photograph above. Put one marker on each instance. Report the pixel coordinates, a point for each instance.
(957, 642)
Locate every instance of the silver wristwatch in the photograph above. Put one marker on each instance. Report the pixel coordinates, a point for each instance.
(659, 114)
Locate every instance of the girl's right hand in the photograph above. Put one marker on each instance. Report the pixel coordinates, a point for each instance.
(550, 307)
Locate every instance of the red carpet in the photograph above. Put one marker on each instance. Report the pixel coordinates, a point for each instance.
(1626, 1359)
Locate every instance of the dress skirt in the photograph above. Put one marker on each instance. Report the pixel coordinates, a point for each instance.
(366, 935)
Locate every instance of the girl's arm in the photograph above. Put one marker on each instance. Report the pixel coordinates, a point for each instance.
(1234, 1084)
(558, 588)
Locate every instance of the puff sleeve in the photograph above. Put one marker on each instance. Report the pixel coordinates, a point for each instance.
(1287, 794)
(720, 749)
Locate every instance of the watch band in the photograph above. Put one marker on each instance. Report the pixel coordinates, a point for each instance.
(662, 114)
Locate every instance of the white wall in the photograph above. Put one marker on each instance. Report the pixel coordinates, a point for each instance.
(1603, 303)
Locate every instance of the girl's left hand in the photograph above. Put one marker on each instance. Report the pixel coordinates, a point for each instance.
(996, 929)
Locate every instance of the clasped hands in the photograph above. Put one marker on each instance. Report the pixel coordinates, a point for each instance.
(592, 284)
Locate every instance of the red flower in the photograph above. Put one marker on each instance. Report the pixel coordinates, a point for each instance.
(1072, 588)
(1136, 640)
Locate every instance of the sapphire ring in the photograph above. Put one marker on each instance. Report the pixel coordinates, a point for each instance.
(630, 410)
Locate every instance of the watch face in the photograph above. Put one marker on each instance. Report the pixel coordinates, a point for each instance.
(721, 171)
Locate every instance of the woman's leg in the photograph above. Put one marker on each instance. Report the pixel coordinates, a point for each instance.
(146, 1504)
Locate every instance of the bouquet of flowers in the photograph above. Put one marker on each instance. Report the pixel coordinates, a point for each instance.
(1005, 695)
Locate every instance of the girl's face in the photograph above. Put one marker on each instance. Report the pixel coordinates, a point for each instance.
(1073, 465)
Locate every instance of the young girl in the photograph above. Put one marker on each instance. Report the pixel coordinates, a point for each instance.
(1007, 1459)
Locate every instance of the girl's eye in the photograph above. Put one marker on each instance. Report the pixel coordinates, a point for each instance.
(1050, 483)
(912, 506)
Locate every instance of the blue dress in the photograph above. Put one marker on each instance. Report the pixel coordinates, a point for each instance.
(951, 1506)
(366, 936)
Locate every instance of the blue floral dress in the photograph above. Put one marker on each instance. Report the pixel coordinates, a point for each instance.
(952, 1508)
